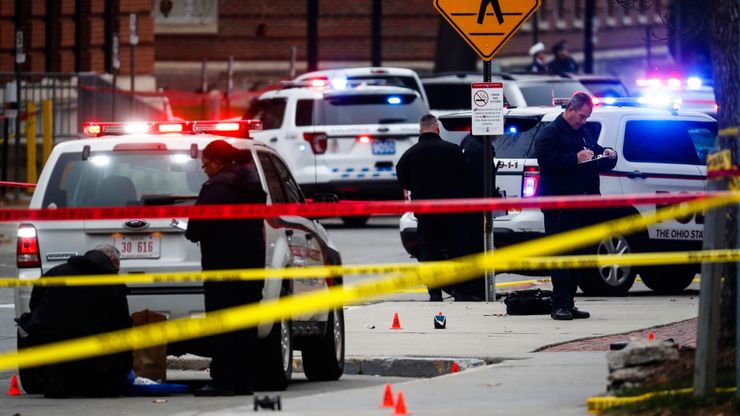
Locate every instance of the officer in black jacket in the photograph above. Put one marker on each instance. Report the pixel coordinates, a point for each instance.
(68, 312)
(230, 244)
(569, 166)
(436, 169)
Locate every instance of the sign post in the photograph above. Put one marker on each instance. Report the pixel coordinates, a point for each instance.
(486, 26)
(115, 66)
(133, 40)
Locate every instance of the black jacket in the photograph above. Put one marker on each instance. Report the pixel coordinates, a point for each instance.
(472, 147)
(67, 312)
(560, 172)
(434, 169)
(230, 244)
(561, 66)
(537, 67)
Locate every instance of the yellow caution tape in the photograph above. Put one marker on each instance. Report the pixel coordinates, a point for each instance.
(534, 263)
(599, 404)
(272, 310)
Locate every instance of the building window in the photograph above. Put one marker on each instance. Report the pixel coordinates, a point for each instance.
(611, 12)
(578, 12)
(559, 14)
(186, 16)
(658, 13)
(626, 13)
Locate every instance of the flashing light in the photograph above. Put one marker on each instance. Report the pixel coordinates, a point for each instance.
(655, 82)
(595, 101)
(610, 101)
(394, 100)
(364, 139)
(134, 128)
(318, 82)
(170, 128)
(513, 130)
(339, 83)
(694, 83)
(674, 83)
(92, 129)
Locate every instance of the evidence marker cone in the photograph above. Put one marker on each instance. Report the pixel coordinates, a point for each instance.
(455, 367)
(400, 405)
(396, 322)
(651, 336)
(14, 388)
(387, 397)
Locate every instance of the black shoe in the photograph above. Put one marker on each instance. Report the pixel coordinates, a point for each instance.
(561, 314)
(435, 296)
(579, 314)
(211, 390)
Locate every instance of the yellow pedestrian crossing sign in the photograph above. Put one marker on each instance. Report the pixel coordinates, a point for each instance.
(486, 24)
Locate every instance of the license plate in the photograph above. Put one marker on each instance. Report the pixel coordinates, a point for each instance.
(143, 246)
(384, 147)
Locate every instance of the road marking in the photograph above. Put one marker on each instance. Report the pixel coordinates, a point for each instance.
(7, 306)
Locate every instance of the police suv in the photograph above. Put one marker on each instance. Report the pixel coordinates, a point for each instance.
(341, 141)
(660, 151)
(159, 163)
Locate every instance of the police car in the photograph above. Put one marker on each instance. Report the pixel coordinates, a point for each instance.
(660, 151)
(159, 163)
(343, 141)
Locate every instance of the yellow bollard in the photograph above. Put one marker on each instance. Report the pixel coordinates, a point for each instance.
(48, 142)
(31, 144)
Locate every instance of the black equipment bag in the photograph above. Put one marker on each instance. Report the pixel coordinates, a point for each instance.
(529, 302)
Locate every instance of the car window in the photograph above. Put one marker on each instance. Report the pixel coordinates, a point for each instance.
(448, 96)
(519, 132)
(270, 111)
(121, 178)
(669, 141)
(292, 191)
(390, 80)
(606, 88)
(274, 183)
(360, 109)
(542, 93)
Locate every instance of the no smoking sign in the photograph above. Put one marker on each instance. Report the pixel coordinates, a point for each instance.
(488, 108)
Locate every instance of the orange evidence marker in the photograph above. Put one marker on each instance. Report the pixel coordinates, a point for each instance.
(14, 388)
(387, 397)
(396, 322)
(400, 405)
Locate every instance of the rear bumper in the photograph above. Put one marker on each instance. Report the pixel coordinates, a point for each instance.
(356, 190)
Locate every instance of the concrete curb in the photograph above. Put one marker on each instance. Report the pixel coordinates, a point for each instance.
(374, 366)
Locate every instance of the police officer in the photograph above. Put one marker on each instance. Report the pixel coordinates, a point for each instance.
(537, 52)
(568, 166)
(562, 63)
(436, 169)
(230, 244)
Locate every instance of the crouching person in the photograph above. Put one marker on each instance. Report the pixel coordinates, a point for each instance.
(68, 312)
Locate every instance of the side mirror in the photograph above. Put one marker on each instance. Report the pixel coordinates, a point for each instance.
(325, 198)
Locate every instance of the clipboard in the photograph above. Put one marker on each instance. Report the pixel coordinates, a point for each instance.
(597, 157)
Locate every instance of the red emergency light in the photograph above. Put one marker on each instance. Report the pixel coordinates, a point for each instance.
(236, 128)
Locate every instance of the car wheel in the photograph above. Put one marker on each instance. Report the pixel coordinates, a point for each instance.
(31, 378)
(355, 221)
(615, 280)
(323, 358)
(667, 280)
(275, 358)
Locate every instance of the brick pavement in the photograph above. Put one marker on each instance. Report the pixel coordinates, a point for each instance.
(683, 333)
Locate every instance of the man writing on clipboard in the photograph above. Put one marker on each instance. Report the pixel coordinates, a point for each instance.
(570, 162)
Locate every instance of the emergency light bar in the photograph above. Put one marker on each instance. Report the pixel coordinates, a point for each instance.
(657, 101)
(339, 83)
(238, 128)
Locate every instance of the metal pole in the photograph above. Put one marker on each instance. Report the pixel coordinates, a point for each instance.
(588, 38)
(707, 330)
(648, 49)
(134, 40)
(229, 84)
(6, 140)
(115, 66)
(489, 182)
(536, 27)
(20, 58)
(293, 58)
(203, 87)
(377, 33)
(312, 23)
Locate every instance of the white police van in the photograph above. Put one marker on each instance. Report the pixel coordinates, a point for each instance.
(660, 151)
(341, 141)
(136, 164)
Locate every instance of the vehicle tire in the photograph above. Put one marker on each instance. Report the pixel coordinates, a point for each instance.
(31, 379)
(613, 280)
(275, 358)
(355, 221)
(323, 358)
(668, 280)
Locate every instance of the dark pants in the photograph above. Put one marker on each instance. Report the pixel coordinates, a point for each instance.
(233, 354)
(447, 237)
(565, 281)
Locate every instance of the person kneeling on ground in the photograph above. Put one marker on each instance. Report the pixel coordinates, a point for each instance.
(68, 312)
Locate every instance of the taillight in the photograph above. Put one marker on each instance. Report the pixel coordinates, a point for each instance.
(318, 141)
(530, 181)
(27, 252)
(363, 139)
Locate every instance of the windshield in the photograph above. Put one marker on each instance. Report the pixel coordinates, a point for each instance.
(121, 178)
(389, 80)
(360, 109)
(542, 93)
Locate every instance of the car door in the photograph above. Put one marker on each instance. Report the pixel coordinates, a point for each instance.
(662, 156)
